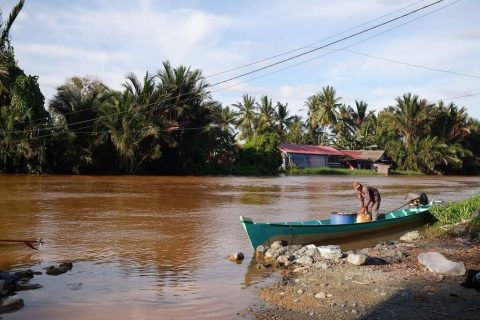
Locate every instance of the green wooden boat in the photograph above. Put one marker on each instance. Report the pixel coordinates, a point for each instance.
(321, 231)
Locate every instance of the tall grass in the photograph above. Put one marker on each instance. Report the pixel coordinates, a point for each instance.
(455, 212)
(406, 173)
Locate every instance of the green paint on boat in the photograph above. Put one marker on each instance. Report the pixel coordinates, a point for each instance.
(318, 231)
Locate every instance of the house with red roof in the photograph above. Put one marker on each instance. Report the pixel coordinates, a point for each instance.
(309, 156)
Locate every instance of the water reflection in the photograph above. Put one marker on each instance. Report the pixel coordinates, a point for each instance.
(158, 245)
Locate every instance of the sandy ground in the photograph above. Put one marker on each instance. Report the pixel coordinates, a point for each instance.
(402, 289)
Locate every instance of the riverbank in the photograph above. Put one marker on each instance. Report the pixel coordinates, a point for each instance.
(391, 284)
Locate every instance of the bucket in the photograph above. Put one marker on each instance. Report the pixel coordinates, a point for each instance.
(343, 218)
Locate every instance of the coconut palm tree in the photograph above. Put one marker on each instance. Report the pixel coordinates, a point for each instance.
(6, 26)
(132, 132)
(186, 106)
(451, 123)
(344, 127)
(412, 117)
(323, 107)
(266, 115)
(282, 119)
(296, 130)
(360, 113)
(245, 116)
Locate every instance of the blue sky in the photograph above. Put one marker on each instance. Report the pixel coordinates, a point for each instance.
(107, 39)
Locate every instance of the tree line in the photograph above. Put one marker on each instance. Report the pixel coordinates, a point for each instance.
(168, 123)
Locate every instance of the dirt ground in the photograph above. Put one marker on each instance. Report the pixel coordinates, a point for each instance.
(402, 289)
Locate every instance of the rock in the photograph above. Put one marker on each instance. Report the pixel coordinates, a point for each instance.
(332, 252)
(476, 213)
(260, 252)
(304, 261)
(11, 305)
(321, 265)
(321, 295)
(236, 257)
(62, 268)
(27, 274)
(273, 253)
(436, 262)
(285, 260)
(276, 245)
(9, 279)
(23, 286)
(411, 236)
(357, 259)
(300, 291)
(459, 230)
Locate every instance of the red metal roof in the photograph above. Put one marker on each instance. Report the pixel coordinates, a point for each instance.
(309, 149)
(371, 155)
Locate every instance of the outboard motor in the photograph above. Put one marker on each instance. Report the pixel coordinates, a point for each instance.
(423, 199)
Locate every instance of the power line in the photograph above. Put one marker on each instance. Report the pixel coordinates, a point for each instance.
(315, 49)
(329, 44)
(336, 50)
(278, 55)
(412, 65)
(311, 44)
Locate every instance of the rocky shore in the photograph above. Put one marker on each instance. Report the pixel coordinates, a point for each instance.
(415, 278)
(13, 282)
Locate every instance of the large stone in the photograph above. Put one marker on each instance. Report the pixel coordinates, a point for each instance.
(321, 295)
(436, 262)
(11, 305)
(411, 236)
(236, 257)
(332, 252)
(276, 245)
(357, 259)
(304, 261)
(459, 230)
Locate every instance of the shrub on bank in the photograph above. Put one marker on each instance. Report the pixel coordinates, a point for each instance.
(455, 212)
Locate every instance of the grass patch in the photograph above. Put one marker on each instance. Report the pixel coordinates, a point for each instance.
(455, 212)
(406, 173)
(330, 171)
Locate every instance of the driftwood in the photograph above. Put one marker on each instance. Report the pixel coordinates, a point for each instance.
(34, 244)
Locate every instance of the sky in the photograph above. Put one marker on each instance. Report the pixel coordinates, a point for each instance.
(107, 39)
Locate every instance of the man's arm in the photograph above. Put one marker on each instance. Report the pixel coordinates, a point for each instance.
(366, 197)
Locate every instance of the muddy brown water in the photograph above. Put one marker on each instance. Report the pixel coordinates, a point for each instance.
(156, 247)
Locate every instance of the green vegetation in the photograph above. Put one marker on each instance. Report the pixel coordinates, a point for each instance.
(455, 212)
(331, 171)
(455, 219)
(168, 123)
(405, 173)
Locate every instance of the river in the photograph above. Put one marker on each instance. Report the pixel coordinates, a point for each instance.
(146, 247)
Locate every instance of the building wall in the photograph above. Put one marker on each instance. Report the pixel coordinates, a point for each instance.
(306, 160)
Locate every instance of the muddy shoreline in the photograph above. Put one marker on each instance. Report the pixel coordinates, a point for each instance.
(392, 284)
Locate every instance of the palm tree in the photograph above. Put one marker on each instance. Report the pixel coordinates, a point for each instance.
(322, 111)
(266, 116)
(412, 117)
(5, 27)
(186, 105)
(282, 119)
(133, 134)
(4, 42)
(360, 113)
(296, 130)
(245, 116)
(451, 123)
(323, 107)
(344, 127)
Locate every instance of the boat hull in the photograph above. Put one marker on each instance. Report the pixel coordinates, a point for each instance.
(320, 231)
